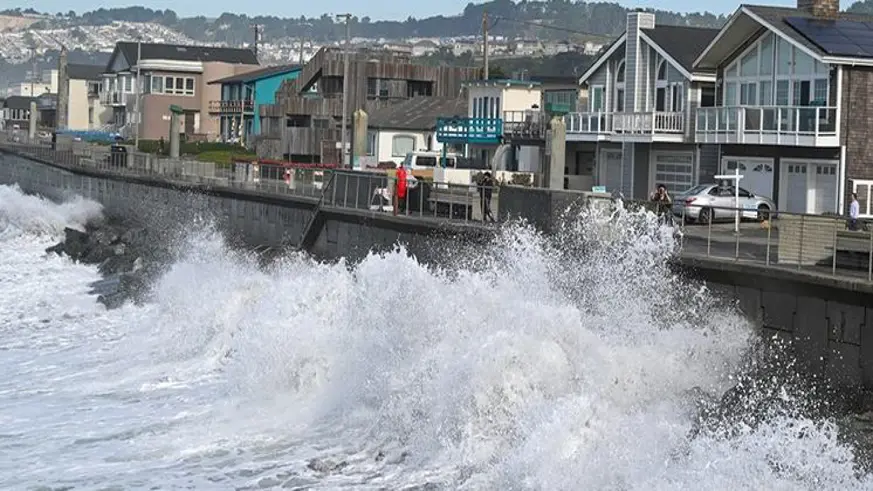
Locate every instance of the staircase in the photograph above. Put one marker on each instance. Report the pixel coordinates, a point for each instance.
(316, 220)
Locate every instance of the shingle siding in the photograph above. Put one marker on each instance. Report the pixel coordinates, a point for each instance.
(857, 117)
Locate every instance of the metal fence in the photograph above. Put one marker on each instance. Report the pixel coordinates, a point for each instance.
(828, 245)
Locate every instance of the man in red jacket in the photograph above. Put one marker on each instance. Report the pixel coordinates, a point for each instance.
(400, 189)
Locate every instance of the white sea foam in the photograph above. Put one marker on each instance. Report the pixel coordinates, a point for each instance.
(542, 365)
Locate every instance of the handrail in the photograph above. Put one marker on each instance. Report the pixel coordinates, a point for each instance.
(302, 244)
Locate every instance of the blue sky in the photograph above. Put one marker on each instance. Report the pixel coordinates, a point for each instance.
(376, 9)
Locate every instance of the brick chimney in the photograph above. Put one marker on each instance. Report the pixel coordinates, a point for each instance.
(825, 9)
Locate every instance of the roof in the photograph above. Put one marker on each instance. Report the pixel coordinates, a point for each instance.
(749, 18)
(503, 81)
(550, 82)
(178, 52)
(78, 71)
(418, 113)
(682, 43)
(19, 102)
(259, 74)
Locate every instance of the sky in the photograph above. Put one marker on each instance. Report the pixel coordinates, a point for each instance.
(375, 9)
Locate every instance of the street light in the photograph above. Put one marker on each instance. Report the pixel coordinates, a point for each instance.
(136, 93)
(347, 17)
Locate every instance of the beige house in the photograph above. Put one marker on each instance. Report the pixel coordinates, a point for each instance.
(85, 111)
(169, 75)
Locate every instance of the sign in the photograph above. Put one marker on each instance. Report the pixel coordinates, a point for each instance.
(598, 189)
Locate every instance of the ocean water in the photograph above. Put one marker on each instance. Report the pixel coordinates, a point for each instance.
(530, 364)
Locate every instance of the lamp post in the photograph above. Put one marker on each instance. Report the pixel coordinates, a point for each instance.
(136, 94)
(345, 141)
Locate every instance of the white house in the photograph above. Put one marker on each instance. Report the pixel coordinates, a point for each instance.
(85, 111)
(409, 126)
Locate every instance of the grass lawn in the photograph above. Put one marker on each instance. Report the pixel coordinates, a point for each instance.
(225, 157)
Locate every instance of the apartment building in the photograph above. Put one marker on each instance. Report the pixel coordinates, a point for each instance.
(170, 75)
(638, 127)
(305, 123)
(793, 104)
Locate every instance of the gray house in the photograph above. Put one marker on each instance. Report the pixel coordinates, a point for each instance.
(638, 128)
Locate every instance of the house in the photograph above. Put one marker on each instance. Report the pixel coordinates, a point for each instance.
(85, 110)
(793, 104)
(241, 97)
(47, 105)
(425, 47)
(409, 126)
(637, 129)
(16, 112)
(47, 81)
(170, 75)
(304, 125)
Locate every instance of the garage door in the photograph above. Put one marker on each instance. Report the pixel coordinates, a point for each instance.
(825, 188)
(757, 175)
(795, 188)
(610, 170)
(674, 170)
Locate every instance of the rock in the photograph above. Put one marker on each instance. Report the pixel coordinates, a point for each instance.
(57, 249)
(75, 243)
(117, 264)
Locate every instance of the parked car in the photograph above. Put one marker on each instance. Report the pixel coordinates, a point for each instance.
(707, 202)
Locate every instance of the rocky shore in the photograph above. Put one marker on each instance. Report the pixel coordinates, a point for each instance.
(124, 255)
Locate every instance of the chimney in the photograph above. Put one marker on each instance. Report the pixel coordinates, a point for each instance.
(825, 9)
(633, 67)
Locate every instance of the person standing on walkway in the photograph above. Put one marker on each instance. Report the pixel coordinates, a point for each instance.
(663, 202)
(400, 189)
(854, 211)
(486, 188)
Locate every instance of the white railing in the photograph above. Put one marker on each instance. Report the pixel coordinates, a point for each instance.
(636, 123)
(787, 125)
(112, 98)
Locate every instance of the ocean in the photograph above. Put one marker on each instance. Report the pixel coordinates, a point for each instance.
(531, 364)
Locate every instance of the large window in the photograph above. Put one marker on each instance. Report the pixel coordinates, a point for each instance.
(596, 99)
(619, 87)
(162, 84)
(402, 145)
(669, 97)
(774, 72)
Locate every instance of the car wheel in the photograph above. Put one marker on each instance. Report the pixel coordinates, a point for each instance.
(763, 213)
(705, 216)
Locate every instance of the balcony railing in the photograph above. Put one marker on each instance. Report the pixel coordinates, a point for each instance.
(113, 99)
(525, 125)
(469, 130)
(773, 125)
(634, 124)
(231, 107)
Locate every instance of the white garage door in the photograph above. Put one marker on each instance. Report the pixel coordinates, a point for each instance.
(674, 170)
(825, 188)
(757, 175)
(610, 170)
(795, 188)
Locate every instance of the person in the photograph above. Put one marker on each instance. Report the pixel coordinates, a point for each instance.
(400, 189)
(662, 201)
(854, 211)
(486, 188)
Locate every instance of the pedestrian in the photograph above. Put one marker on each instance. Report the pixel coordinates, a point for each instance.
(854, 211)
(486, 188)
(400, 189)
(663, 202)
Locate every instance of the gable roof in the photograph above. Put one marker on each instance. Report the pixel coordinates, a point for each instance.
(78, 71)
(605, 55)
(418, 113)
(682, 43)
(178, 52)
(750, 19)
(258, 74)
(19, 102)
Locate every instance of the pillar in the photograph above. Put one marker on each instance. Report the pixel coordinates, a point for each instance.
(63, 91)
(31, 130)
(360, 120)
(174, 135)
(557, 159)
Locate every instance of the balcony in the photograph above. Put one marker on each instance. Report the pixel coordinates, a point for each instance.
(231, 107)
(806, 126)
(526, 125)
(643, 126)
(486, 131)
(113, 99)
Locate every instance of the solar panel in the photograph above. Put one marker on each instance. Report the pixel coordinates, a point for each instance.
(836, 37)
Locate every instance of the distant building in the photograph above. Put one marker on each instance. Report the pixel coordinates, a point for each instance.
(241, 97)
(16, 112)
(424, 47)
(171, 75)
(409, 126)
(85, 110)
(46, 83)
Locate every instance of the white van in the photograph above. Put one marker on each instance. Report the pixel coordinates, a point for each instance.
(429, 160)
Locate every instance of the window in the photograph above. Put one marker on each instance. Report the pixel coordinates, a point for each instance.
(402, 145)
(619, 87)
(371, 143)
(157, 85)
(661, 87)
(597, 102)
(172, 85)
(128, 84)
(678, 97)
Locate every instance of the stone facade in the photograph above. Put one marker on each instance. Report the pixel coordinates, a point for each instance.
(856, 118)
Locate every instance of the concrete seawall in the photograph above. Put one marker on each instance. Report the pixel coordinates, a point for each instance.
(824, 319)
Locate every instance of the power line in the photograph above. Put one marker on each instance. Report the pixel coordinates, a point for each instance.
(546, 26)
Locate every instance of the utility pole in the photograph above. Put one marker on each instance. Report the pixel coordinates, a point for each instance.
(33, 68)
(257, 29)
(345, 139)
(485, 42)
(136, 93)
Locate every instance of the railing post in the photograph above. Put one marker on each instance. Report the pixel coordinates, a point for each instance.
(709, 234)
(357, 190)
(346, 193)
(800, 249)
(737, 234)
(421, 198)
(834, 262)
(769, 234)
(870, 258)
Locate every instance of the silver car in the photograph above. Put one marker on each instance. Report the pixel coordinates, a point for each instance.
(710, 202)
